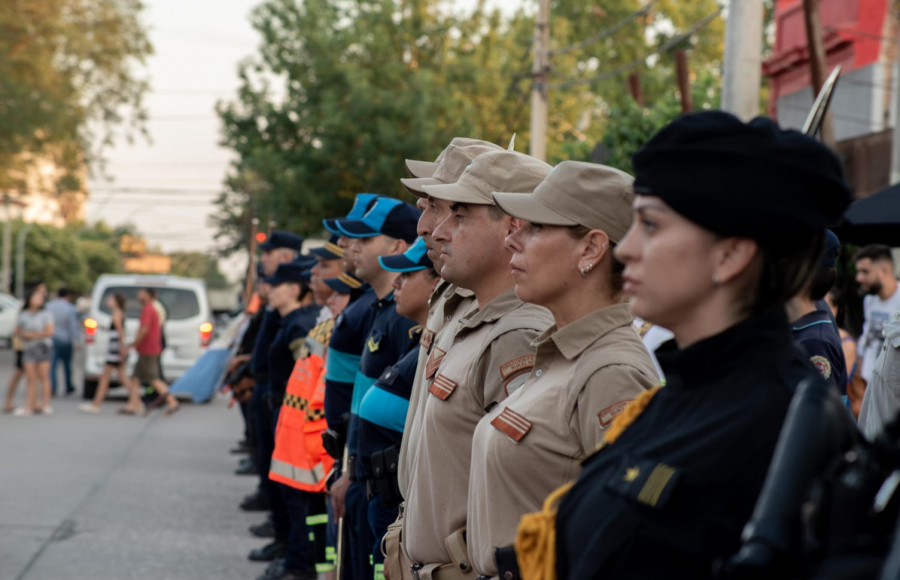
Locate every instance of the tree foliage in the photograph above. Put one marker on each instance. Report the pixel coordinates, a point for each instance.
(67, 79)
(342, 91)
(198, 265)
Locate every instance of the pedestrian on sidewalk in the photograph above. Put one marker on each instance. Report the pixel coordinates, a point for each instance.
(66, 334)
(148, 344)
(35, 329)
(115, 354)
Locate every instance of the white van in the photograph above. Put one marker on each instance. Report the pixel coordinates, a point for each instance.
(188, 328)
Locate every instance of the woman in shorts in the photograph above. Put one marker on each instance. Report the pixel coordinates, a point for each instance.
(35, 329)
(116, 354)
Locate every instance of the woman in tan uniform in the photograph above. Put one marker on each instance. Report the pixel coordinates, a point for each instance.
(587, 368)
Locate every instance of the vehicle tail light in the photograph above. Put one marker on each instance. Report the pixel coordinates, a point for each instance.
(205, 334)
(90, 330)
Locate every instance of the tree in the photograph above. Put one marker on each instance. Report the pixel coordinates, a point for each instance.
(367, 83)
(67, 79)
(54, 256)
(198, 265)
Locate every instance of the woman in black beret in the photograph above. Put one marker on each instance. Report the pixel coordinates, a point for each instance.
(729, 223)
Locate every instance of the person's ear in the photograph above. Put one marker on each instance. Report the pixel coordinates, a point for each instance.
(513, 225)
(734, 256)
(594, 246)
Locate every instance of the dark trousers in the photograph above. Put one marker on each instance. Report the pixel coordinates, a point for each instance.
(265, 432)
(356, 517)
(380, 517)
(62, 351)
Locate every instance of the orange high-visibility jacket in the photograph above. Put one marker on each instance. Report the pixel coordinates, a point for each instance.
(299, 459)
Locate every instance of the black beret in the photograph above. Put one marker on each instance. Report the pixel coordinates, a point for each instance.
(751, 180)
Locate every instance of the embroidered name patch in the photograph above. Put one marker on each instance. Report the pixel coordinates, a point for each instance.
(516, 366)
(823, 365)
(607, 415)
(512, 424)
(434, 362)
(442, 387)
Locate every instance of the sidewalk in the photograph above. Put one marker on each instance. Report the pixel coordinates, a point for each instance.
(113, 498)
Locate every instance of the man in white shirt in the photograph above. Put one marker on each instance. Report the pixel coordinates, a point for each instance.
(877, 281)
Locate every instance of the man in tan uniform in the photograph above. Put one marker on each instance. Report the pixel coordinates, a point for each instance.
(449, 302)
(489, 355)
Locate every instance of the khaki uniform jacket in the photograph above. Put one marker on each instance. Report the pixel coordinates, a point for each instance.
(533, 442)
(448, 305)
(490, 357)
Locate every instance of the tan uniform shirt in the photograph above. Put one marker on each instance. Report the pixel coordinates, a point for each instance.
(531, 443)
(490, 357)
(448, 304)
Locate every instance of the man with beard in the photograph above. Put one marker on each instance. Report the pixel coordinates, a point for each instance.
(878, 283)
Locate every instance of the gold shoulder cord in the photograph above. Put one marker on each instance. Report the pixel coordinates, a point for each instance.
(536, 539)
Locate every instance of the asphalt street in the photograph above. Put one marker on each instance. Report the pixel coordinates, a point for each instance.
(115, 497)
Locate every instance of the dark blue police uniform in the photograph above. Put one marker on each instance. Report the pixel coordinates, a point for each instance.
(382, 416)
(293, 329)
(390, 338)
(817, 333)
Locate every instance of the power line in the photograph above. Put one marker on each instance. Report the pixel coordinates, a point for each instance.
(604, 33)
(168, 118)
(156, 190)
(639, 61)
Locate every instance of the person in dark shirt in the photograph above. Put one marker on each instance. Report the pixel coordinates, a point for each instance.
(388, 228)
(382, 412)
(729, 224)
(292, 298)
(812, 322)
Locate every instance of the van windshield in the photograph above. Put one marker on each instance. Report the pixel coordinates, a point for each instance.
(180, 303)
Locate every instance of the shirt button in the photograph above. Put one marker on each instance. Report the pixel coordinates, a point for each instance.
(538, 373)
(448, 318)
(508, 575)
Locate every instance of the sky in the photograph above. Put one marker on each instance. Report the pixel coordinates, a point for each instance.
(166, 186)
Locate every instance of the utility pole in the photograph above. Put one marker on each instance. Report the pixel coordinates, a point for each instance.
(7, 244)
(634, 87)
(251, 262)
(20, 260)
(540, 69)
(742, 70)
(684, 81)
(817, 63)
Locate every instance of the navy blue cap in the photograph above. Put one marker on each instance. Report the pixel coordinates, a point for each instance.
(289, 272)
(388, 217)
(362, 204)
(330, 251)
(282, 239)
(345, 283)
(306, 261)
(412, 260)
(832, 247)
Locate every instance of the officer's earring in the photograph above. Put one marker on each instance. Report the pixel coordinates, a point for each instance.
(585, 270)
(715, 279)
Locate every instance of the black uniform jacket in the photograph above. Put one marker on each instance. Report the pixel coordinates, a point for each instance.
(673, 493)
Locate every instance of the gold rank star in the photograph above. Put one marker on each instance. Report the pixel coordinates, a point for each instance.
(631, 474)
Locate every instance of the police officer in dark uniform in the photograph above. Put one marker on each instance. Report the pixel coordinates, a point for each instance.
(388, 228)
(382, 413)
(814, 327)
(729, 224)
(281, 247)
(292, 298)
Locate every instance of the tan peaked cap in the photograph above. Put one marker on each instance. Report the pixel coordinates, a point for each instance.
(454, 162)
(494, 171)
(427, 168)
(577, 193)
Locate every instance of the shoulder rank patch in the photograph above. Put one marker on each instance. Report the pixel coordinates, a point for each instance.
(427, 338)
(512, 424)
(823, 365)
(649, 482)
(607, 415)
(442, 387)
(372, 344)
(414, 331)
(434, 362)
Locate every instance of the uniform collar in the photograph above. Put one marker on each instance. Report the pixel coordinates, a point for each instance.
(813, 318)
(493, 310)
(382, 302)
(288, 318)
(763, 338)
(575, 338)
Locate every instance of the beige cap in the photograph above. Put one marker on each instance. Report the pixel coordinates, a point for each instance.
(577, 193)
(454, 162)
(427, 168)
(494, 171)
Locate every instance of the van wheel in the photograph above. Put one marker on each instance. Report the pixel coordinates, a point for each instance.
(90, 389)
